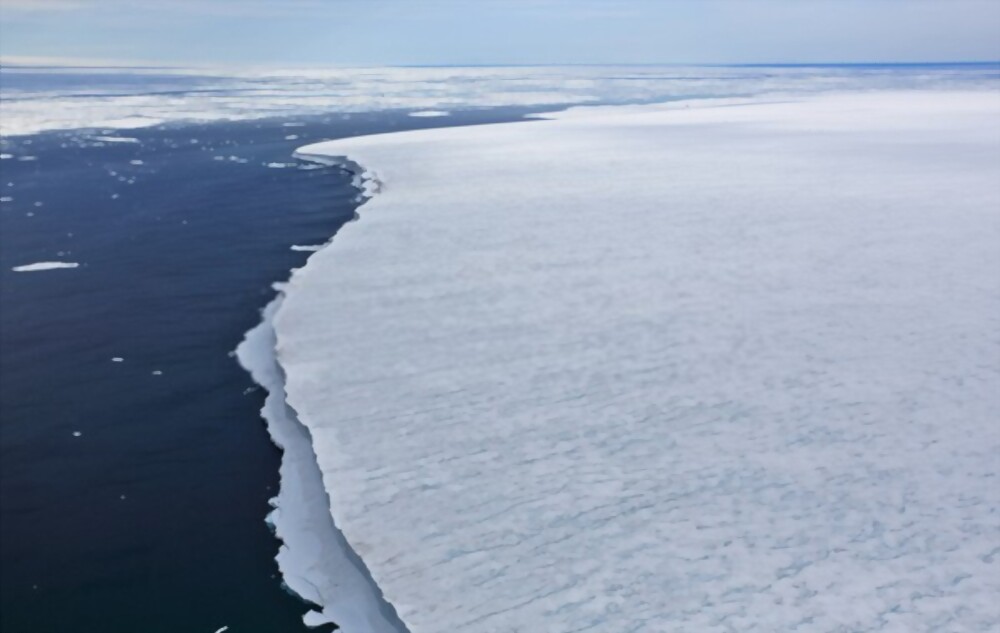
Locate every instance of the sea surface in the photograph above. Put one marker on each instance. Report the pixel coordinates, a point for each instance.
(133, 492)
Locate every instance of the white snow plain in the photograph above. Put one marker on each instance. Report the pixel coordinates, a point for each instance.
(213, 94)
(726, 367)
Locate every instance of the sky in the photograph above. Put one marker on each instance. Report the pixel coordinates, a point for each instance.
(473, 32)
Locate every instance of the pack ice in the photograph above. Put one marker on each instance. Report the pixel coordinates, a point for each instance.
(720, 366)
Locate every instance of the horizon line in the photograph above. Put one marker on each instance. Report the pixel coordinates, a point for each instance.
(27, 62)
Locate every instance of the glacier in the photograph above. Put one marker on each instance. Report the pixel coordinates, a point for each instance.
(725, 365)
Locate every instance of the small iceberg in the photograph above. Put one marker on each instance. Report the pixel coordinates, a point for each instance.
(116, 139)
(30, 268)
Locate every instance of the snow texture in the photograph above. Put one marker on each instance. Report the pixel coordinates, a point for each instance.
(214, 94)
(667, 368)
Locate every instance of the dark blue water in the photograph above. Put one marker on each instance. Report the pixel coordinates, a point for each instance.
(152, 518)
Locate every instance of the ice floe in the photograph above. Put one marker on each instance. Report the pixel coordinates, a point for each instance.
(429, 113)
(40, 266)
(665, 368)
(115, 139)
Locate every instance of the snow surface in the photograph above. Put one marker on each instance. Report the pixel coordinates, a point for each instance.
(214, 94)
(667, 368)
(38, 266)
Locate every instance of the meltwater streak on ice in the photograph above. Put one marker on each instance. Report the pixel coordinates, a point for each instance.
(710, 369)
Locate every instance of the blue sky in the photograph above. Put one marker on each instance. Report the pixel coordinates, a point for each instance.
(345, 32)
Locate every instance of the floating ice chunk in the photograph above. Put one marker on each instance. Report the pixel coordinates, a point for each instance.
(117, 359)
(157, 372)
(27, 158)
(280, 165)
(6, 199)
(222, 629)
(430, 113)
(291, 137)
(136, 162)
(39, 266)
(116, 139)
(309, 248)
(6, 156)
(293, 124)
(77, 433)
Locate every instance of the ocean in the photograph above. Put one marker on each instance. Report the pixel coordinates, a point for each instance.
(134, 491)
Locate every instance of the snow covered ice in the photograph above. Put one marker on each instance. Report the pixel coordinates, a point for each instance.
(719, 366)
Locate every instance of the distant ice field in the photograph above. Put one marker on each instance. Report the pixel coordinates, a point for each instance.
(720, 366)
(37, 99)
